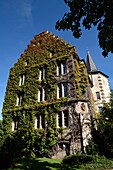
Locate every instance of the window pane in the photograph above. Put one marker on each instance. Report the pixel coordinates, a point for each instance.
(100, 109)
(59, 69)
(15, 124)
(64, 68)
(59, 119)
(65, 89)
(19, 100)
(22, 80)
(42, 74)
(43, 121)
(60, 90)
(41, 95)
(98, 95)
(38, 122)
(45, 70)
(65, 118)
(45, 96)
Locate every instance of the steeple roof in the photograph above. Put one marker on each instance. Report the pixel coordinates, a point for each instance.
(91, 67)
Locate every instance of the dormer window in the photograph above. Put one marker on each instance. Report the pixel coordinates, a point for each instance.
(22, 80)
(61, 68)
(42, 73)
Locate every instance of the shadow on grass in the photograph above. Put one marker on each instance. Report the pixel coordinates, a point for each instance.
(33, 164)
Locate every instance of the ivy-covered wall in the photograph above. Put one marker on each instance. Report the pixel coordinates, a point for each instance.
(45, 50)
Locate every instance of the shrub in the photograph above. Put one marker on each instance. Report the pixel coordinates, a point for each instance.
(92, 149)
(7, 152)
(78, 159)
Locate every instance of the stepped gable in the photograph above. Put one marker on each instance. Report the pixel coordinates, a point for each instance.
(49, 42)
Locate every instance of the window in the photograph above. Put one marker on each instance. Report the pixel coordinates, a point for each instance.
(43, 121)
(19, 100)
(62, 90)
(65, 115)
(42, 95)
(26, 62)
(61, 68)
(65, 89)
(15, 125)
(42, 73)
(22, 80)
(98, 95)
(40, 122)
(100, 109)
(62, 119)
(37, 120)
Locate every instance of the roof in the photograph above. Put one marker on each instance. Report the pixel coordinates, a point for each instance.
(91, 67)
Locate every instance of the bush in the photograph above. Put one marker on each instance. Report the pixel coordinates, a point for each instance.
(77, 159)
(92, 149)
(7, 152)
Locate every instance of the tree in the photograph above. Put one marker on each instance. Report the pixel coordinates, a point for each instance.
(90, 13)
(103, 135)
(1, 133)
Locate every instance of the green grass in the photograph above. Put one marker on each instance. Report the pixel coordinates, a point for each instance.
(36, 164)
(51, 164)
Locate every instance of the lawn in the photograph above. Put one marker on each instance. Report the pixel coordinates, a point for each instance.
(52, 164)
(36, 164)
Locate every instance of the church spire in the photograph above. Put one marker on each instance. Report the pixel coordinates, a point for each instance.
(91, 67)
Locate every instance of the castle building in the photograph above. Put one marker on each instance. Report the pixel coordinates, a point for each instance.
(49, 93)
(101, 88)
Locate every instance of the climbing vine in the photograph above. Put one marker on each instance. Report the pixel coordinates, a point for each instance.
(46, 50)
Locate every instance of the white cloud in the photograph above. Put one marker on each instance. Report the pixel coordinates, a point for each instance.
(26, 10)
(20, 11)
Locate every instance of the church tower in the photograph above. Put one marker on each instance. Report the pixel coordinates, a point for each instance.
(101, 88)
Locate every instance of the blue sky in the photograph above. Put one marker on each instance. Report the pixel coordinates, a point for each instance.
(22, 19)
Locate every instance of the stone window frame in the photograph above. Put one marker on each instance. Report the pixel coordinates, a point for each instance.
(22, 80)
(62, 90)
(100, 109)
(40, 122)
(19, 100)
(42, 73)
(61, 121)
(62, 68)
(14, 125)
(98, 95)
(42, 95)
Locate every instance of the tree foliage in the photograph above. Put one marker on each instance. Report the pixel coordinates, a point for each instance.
(90, 13)
(103, 135)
